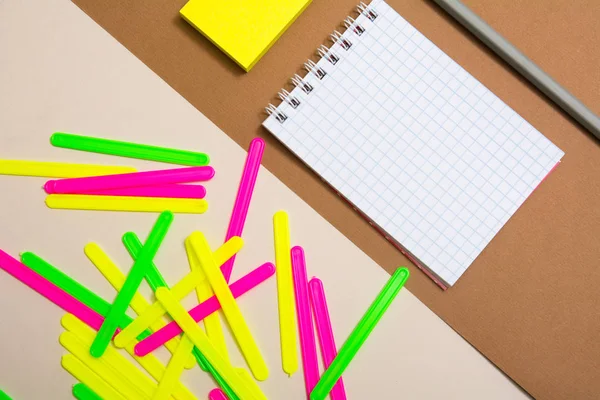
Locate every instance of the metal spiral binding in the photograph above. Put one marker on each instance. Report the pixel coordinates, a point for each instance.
(279, 116)
(311, 66)
(349, 22)
(302, 84)
(337, 37)
(284, 95)
(326, 53)
(369, 12)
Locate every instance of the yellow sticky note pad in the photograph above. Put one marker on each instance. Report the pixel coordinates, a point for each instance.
(243, 29)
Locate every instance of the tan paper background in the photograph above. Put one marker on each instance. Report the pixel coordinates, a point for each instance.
(530, 301)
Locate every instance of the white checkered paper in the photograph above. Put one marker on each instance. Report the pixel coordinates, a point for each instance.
(415, 142)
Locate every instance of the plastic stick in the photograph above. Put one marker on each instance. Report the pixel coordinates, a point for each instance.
(150, 363)
(189, 326)
(72, 287)
(82, 392)
(200, 312)
(58, 170)
(232, 312)
(244, 195)
(180, 290)
(100, 366)
(212, 323)
(325, 332)
(132, 180)
(134, 245)
(133, 281)
(124, 203)
(217, 394)
(285, 293)
(175, 368)
(154, 278)
(50, 291)
(4, 396)
(305, 324)
(360, 334)
(115, 277)
(91, 379)
(172, 191)
(127, 149)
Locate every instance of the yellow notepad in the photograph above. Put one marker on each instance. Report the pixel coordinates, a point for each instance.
(243, 29)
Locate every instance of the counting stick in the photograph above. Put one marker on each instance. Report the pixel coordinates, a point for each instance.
(244, 195)
(232, 312)
(212, 323)
(305, 323)
(58, 170)
(198, 313)
(126, 149)
(285, 293)
(124, 203)
(132, 180)
(82, 392)
(133, 281)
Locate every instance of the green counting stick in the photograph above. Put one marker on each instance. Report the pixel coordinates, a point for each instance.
(360, 334)
(134, 245)
(130, 286)
(155, 279)
(82, 392)
(74, 288)
(130, 150)
(4, 396)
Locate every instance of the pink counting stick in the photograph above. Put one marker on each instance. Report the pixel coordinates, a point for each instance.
(244, 195)
(50, 291)
(174, 191)
(135, 179)
(325, 332)
(305, 323)
(203, 310)
(217, 394)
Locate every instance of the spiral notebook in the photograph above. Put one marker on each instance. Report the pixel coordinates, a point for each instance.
(431, 157)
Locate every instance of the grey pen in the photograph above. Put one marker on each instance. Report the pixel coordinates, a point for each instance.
(522, 64)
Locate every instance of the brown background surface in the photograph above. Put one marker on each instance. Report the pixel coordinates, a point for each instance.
(530, 302)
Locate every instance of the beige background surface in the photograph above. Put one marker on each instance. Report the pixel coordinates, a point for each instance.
(530, 301)
(63, 72)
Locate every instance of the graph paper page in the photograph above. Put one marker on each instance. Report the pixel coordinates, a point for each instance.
(415, 142)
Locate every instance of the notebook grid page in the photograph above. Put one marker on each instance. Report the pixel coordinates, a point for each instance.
(415, 142)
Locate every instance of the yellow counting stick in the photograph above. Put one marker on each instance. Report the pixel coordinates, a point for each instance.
(285, 293)
(212, 323)
(58, 170)
(150, 363)
(245, 375)
(232, 312)
(88, 377)
(241, 388)
(125, 203)
(115, 277)
(99, 365)
(170, 378)
(128, 372)
(179, 291)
